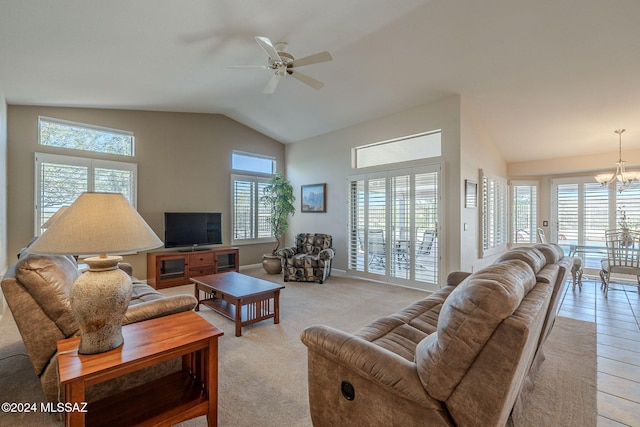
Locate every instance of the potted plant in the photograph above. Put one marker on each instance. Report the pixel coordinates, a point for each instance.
(625, 227)
(278, 196)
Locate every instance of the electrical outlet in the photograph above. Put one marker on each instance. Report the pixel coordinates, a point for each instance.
(545, 223)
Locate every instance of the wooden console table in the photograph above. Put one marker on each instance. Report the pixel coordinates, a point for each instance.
(171, 399)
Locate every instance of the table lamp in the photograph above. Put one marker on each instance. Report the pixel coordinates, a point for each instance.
(98, 223)
(55, 217)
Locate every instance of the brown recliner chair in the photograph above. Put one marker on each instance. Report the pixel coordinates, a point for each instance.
(37, 293)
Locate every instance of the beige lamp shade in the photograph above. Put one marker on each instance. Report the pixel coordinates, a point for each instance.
(97, 223)
(55, 217)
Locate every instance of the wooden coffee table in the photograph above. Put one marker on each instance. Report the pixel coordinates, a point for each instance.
(241, 298)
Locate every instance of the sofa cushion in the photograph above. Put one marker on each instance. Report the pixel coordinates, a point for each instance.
(552, 252)
(49, 279)
(423, 314)
(392, 334)
(529, 254)
(468, 318)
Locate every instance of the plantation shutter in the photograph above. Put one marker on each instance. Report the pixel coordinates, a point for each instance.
(356, 224)
(264, 214)
(596, 213)
(399, 239)
(524, 207)
(494, 213)
(567, 213)
(426, 219)
(60, 185)
(61, 179)
(628, 205)
(243, 209)
(250, 217)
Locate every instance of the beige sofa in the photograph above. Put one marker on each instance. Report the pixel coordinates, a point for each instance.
(465, 355)
(37, 292)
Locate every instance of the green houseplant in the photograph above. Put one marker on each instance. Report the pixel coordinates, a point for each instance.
(278, 196)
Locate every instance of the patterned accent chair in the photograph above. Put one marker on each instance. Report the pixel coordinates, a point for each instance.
(309, 260)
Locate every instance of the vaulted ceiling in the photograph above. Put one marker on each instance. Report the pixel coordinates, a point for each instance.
(545, 78)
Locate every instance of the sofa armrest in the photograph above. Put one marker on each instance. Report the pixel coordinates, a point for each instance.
(456, 277)
(326, 254)
(368, 360)
(159, 307)
(287, 252)
(126, 267)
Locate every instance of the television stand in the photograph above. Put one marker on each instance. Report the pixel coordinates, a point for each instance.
(174, 268)
(194, 249)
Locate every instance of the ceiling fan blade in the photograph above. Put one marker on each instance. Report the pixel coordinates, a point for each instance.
(316, 84)
(268, 47)
(262, 67)
(271, 86)
(311, 59)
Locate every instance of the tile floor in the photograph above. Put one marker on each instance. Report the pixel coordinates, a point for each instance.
(618, 324)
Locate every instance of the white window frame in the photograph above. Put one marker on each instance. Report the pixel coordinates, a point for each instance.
(91, 165)
(425, 145)
(90, 127)
(494, 229)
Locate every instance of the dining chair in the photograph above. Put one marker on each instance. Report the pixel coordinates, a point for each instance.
(541, 236)
(623, 256)
(576, 268)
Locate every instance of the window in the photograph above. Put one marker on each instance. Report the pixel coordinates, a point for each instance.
(61, 179)
(583, 210)
(524, 206)
(253, 163)
(250, 218)
(414, 147)
(79, 136)
(494, 213)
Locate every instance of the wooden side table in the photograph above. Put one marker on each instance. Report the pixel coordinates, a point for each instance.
(171, 399)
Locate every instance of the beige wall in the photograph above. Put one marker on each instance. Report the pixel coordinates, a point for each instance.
(184, 164)
(477, 152)
(327, 159)
(3, 194)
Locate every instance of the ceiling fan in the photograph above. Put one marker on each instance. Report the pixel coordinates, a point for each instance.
(283, 63)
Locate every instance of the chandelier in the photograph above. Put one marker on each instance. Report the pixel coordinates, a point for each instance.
(622, 178)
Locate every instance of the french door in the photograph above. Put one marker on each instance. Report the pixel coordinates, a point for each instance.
(394, 219)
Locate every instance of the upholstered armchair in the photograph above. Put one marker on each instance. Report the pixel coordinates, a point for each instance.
(309, 260)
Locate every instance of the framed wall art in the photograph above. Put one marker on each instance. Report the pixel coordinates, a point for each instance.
(313, 198)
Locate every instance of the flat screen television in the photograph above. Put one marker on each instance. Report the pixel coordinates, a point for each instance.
(182, 229)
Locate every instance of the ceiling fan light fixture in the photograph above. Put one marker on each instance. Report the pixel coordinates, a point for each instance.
(284, 63)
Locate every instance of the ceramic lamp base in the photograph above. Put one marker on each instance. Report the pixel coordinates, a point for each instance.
(99, 300)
